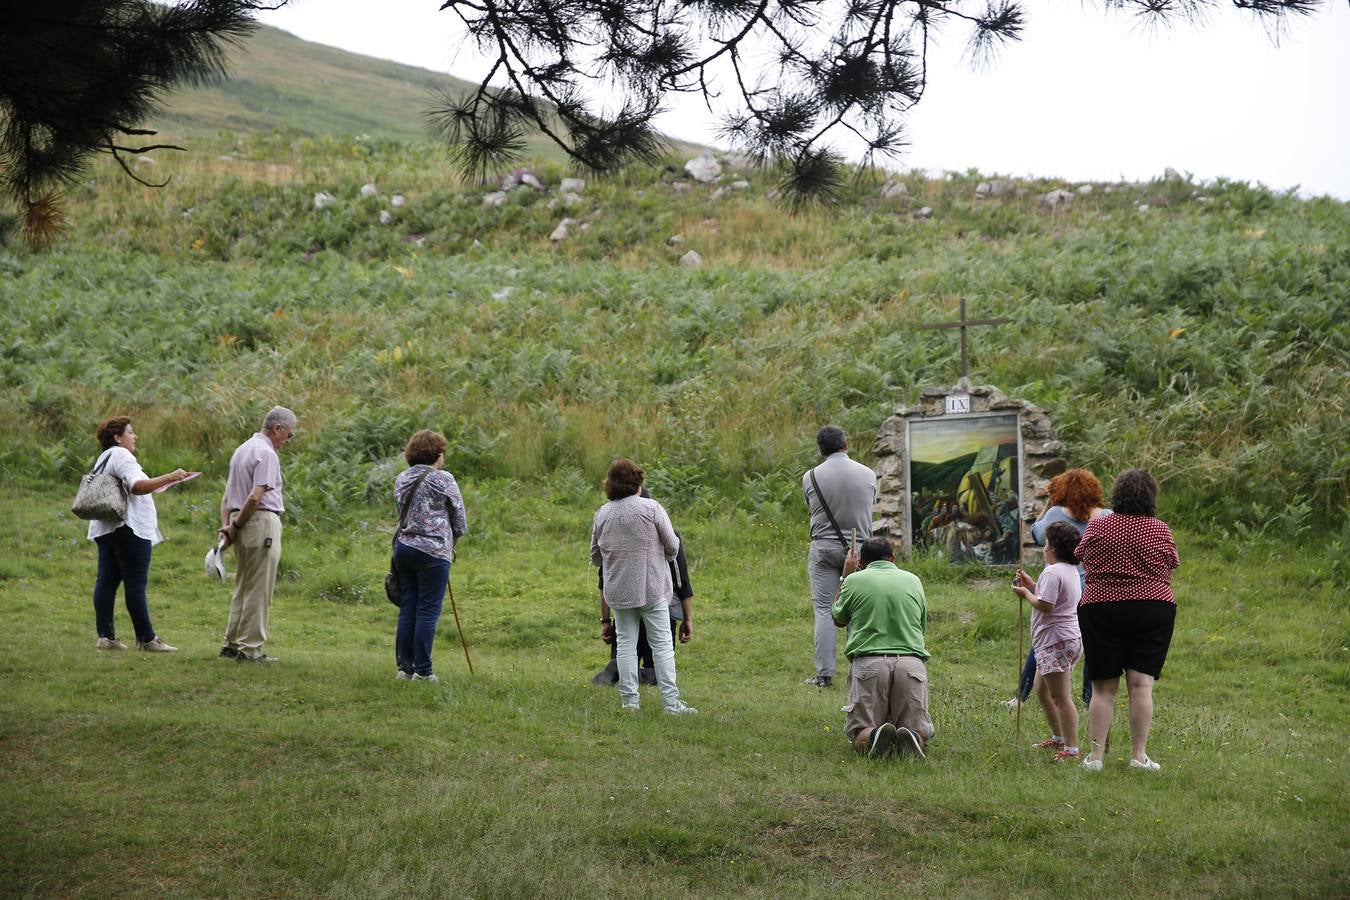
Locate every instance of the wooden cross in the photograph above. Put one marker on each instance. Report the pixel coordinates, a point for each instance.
(963, 325)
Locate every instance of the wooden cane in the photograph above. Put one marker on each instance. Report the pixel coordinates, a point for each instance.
(454, 609)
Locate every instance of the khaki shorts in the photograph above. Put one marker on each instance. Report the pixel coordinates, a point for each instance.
(888, 689)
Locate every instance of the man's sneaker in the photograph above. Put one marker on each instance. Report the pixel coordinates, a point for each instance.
(680, 709)
(156, 646)
(109, 644)
(907, 743)
(1066, 753)
(629, 707)
(229, 653)
(1147, 765)
(820, 681)
(1092, 765)
(883, 741)
(403, 676)
(241, 657)
(1048, 744)
(433, 677)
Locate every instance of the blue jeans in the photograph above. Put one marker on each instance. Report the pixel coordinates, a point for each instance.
(1029, 675)
(123, 559)
(422, 579)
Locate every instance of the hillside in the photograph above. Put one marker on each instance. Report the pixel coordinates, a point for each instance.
(1199, 330)
(278, 81)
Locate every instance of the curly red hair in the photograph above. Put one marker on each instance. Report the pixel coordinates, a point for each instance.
(1078, 491)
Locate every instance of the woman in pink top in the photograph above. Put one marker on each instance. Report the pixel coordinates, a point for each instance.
(1127, 612)
(1054, 635)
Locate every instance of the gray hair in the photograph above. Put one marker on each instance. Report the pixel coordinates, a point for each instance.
(279, 415)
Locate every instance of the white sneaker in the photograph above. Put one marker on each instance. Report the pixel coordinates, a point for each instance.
(109, 644)
(403, 676)
(680, 709)
(156, 646)
(1147, 765)
(433, 677)
(629, 707)
(1092, 765)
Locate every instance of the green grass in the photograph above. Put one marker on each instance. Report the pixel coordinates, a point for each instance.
(322, 775)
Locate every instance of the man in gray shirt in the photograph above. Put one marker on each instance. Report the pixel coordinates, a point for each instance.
(847, 489)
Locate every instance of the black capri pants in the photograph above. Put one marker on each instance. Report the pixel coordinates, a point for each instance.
(1126, 634)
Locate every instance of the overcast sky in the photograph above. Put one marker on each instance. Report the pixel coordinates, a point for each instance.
(1086, 95)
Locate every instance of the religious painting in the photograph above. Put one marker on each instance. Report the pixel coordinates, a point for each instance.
(965, 483)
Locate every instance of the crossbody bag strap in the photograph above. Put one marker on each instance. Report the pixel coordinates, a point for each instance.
(821, 497)
(403, 514)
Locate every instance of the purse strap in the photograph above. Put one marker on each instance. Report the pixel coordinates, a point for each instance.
(104, 458)
(403, 514)
(821, 497)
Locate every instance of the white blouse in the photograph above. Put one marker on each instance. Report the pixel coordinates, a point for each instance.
(141, 515)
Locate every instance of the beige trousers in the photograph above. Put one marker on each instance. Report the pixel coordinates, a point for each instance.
(888, 689)
(257, 550)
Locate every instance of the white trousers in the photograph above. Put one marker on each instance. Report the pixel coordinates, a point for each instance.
(656, 616)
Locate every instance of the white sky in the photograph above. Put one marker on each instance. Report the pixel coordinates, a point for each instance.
(1086, 95)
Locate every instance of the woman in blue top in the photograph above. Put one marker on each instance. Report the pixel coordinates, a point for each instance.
(1076, 499)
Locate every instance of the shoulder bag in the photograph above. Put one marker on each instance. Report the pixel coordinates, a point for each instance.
(391, 585)
(101, 496)
(825, 506)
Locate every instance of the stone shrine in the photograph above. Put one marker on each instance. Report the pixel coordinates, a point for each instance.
(982, 472)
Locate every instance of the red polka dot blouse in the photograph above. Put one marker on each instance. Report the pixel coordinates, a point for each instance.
(1127, 558)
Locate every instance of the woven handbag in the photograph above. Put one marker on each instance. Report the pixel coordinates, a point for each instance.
(101, 496)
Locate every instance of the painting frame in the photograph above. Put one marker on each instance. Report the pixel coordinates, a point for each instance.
(964, 475)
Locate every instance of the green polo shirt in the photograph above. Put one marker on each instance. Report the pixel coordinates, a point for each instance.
(885, 610)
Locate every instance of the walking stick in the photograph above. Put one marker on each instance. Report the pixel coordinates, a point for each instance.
(454, 609)
(1021, 634)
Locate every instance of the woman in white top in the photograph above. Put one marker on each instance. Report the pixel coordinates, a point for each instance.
(124, 545)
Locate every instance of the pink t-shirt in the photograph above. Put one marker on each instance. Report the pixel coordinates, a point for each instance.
(1059, 585)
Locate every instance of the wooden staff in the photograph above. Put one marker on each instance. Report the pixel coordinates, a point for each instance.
(454, 609)
(1021, 655)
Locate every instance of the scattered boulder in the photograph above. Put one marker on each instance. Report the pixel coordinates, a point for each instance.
(1171, 174)
(531, 180)
(386, 217)
(1055, 198)
(494, 198)
(571, 186)
(369, 190)
(675, 240)
(146, 161)
(397, 200)
(1143, 207)
(704, 168)
(560, 233)
(691, 259)
(323, 200)
(226, 157)
(739, 185)
(680, 187)
(925, 212)
(500, 293)
(1109, 189)
(415, 239)
(1085, 189)
(893, 190)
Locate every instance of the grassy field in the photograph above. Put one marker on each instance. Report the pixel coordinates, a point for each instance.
(133, 774)
(1207, 338)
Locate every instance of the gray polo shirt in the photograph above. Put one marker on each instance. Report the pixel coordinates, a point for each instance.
(850, 488)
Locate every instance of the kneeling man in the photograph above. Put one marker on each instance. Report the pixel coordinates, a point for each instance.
(886, 613)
